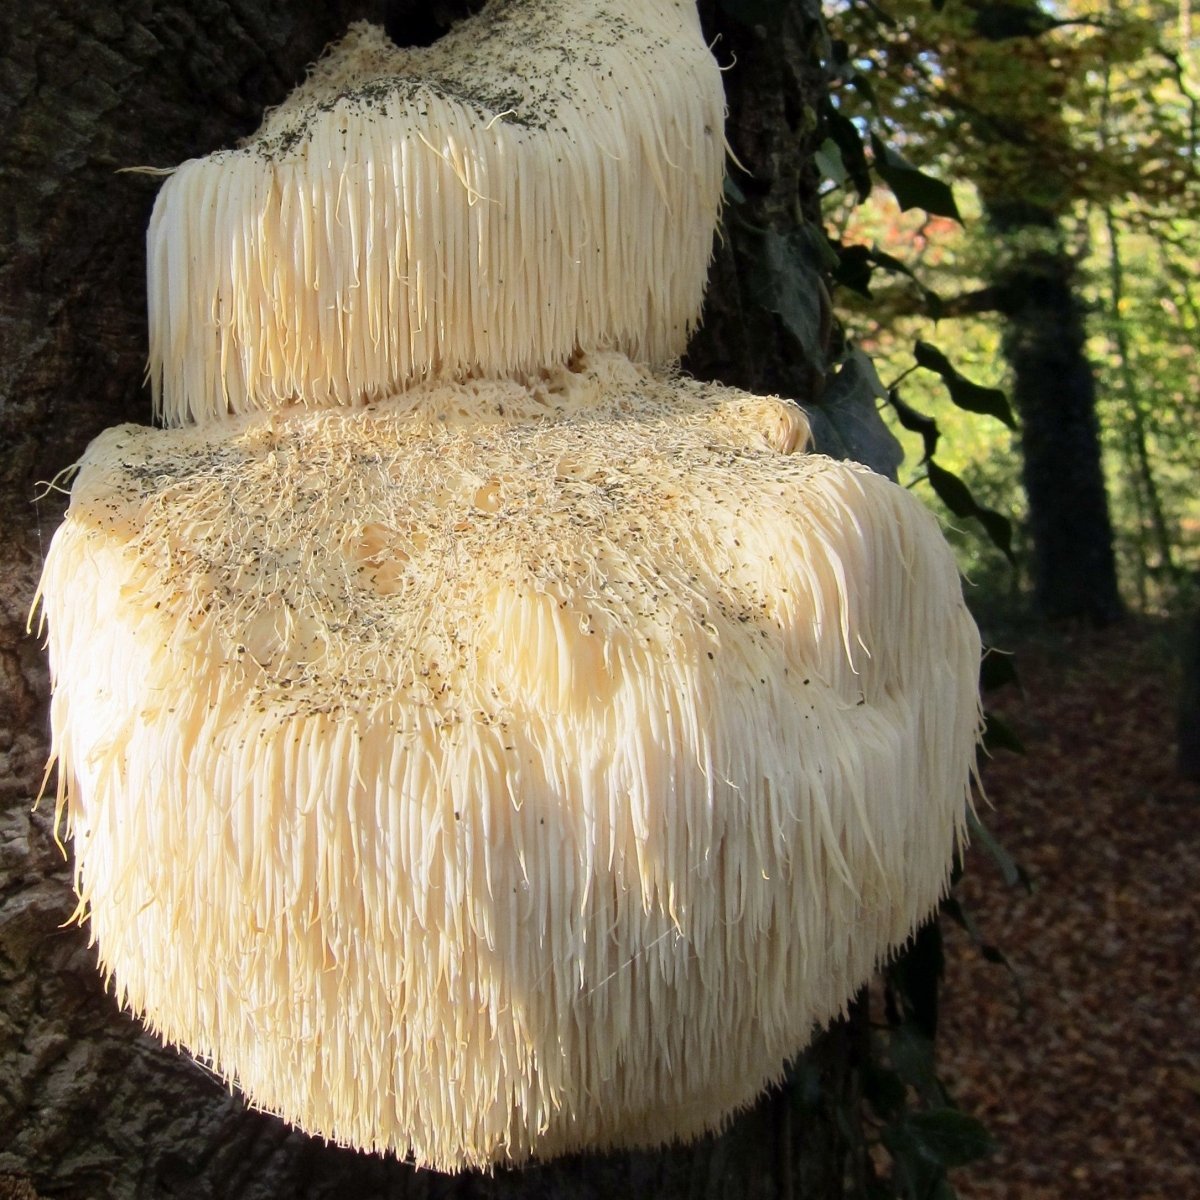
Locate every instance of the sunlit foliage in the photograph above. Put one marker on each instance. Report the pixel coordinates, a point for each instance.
(1086, 116)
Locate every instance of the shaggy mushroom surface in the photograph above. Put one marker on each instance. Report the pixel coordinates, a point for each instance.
(506, 767)
(545, 177)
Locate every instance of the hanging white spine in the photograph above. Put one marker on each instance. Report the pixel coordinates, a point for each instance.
(542, 180)
(504, 771)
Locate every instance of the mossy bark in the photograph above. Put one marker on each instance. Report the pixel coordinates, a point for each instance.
(91, 1107)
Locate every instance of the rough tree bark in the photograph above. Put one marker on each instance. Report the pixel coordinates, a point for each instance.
(90, 1106)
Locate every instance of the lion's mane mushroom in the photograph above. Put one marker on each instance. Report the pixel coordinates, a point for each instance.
(504, 770)
(545, 177)
(477, 745)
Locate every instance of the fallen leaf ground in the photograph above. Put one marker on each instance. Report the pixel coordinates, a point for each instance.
(1089, 1079)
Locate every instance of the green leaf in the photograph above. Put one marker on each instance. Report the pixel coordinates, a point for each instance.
(856, 265)
(957, 912)
(844, 134)
(956, 496)
(911, 1055)
(915, 1177)
(915, 975)
(952, 908)
(915, 422)
(998, 734)
(854, 269)
(999, 530)
(932, 300)
(883, 1088)
(846, 422)
(910, 185)
(948, 1137)
(787, 283)
(952, 492)
(828, 157)
(1001, 22)
(972, 397)
(1013, 873)
(997, 669)
(820, 251)
(807, 1088)
(863, 86)
(883, 259)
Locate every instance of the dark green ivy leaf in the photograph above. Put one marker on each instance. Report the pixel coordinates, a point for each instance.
(998, 734)
(857, 264)
(915, 975)
(997, 669)
(750, 12)
(883, 259)
(1000, 22)
(854, 269)
(844, 134)
(862, 85)
(911, 1055)
(883, 1089)
(956, 496)
(914, 1177)
(807, 1083)
(846, 423)
(999, 530)
(949, 1137)
(933, 301)
(828, 158)
(819, 249)
(911, 186)
(787, 282)
(953, 908)
(915, 422)
(1012, 871)
(972, 397)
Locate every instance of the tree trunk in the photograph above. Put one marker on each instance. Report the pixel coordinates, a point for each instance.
(91, 1107)
(1074, 569)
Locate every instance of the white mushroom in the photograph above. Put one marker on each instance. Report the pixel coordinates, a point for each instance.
(547, 177)
(504, 769)
(477, 745)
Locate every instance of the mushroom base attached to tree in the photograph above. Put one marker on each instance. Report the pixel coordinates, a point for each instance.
(504, 769)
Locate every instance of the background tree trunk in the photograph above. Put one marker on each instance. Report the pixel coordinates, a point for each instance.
(1054, 390)
(91, 1107)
